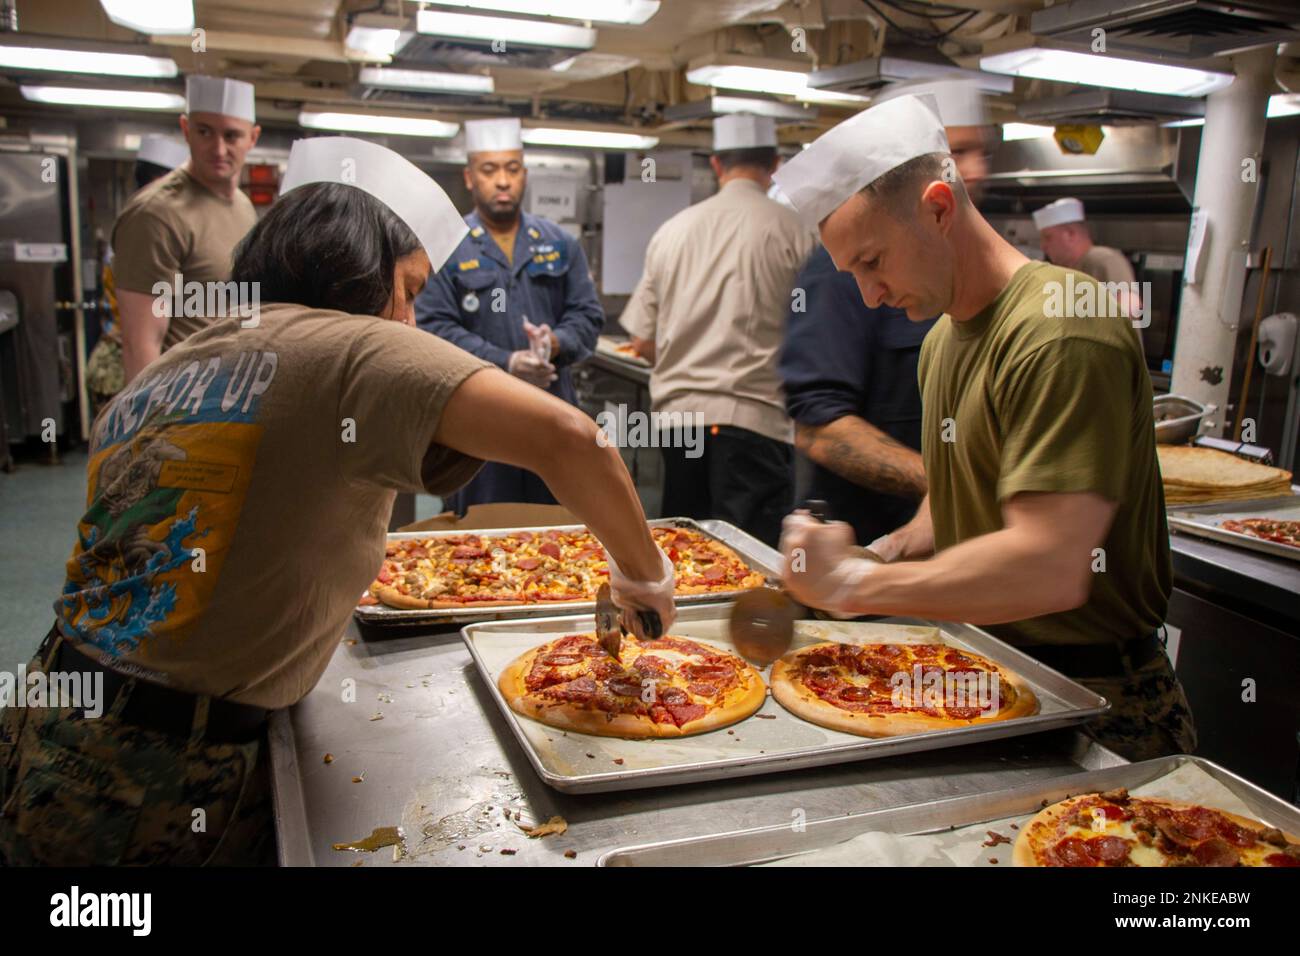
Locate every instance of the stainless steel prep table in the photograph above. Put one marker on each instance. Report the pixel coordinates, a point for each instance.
(1237, 613)
(444, 766)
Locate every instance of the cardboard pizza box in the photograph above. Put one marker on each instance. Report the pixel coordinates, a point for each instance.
(500, 514)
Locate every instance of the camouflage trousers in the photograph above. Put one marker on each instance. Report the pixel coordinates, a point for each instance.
(105, 374)
(78, 791)
(1149, 715)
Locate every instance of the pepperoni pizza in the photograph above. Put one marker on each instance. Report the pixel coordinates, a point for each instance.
(524, 567)
(1116, 829)
(669, 687)
(888, 690)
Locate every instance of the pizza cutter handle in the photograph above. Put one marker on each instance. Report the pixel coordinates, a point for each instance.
(652, 625)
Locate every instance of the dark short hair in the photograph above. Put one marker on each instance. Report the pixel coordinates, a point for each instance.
(325, 246)
(900, 187)
(763, 157)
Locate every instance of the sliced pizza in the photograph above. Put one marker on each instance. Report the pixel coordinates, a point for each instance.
(669, 687)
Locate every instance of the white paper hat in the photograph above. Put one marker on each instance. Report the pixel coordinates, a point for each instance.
(216, 94)
(1058, 213)
(859, 151)
(492, 135)
(412, 196)
(743, 131)
(162, 151)
(960, 102)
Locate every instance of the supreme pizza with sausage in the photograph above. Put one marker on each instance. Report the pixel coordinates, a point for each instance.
(1116, 829)
(526, 567)
(668, 687)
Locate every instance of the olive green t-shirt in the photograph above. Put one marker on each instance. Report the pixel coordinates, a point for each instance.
(1017, 400)
(238, 494)
(173, 227)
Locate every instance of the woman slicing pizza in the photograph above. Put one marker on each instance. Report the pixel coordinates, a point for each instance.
(239, 492)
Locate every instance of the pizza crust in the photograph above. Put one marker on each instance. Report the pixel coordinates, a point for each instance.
(396, 599)
(791, 694)
(738, 704)
(1041, 831)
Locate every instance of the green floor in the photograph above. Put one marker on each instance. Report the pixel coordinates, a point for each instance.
(39, 508)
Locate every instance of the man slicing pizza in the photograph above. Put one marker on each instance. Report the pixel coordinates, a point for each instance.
(1045, 516)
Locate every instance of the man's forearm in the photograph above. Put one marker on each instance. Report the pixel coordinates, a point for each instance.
(913, 540)
(860, 452)
(142, 331)
(991, 579)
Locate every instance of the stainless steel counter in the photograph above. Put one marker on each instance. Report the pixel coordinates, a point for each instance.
(442, 765)
(1246, 582)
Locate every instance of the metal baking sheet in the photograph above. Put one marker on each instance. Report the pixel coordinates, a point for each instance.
(582, 763)
(756, 554)
(1205, 521)
(771, 843)
(608, 346)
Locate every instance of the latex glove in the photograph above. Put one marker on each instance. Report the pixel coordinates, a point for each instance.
(632, 596)
(539, 340)
(820, 568)
(526, 365)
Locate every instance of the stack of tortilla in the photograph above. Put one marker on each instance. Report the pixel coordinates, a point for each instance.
(1198, 475)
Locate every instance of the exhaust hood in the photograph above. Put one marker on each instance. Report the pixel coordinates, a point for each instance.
(1172, 29)
(1110, 108)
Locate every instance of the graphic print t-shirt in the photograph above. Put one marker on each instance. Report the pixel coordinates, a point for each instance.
(238, 496)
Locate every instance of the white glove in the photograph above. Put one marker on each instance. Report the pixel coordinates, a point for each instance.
(526, 365)
(632, 596)
(820, 567)
(539, 340)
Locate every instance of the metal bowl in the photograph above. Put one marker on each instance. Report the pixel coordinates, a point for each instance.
(1178, 418)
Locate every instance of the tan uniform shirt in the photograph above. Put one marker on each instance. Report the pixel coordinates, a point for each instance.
(177, 226)
(714, 298)
(1106, 265)
(239, 492)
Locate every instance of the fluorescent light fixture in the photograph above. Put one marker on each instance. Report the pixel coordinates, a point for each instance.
(112, 99)
(426, 80)
(1283, 104)
(760, 79)
(1279, 105)
(377, 123)
(587, 138)
(379, 43)
(1067, 66)
(85, 61)
(1014, 131)
(601, 11)
(760, 107)
(151, 16)
(466, 26)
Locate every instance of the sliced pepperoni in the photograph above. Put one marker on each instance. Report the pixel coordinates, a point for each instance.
(857, 693)
(818, 660)
(674, 695)
(626, 687)
(1216, 852)
(647, 665)
(1281, 859)
(1073, 852)
(1109, 849)
(709, 672)
(963, 713)
(684, 713)
(581, 689)
(715, 574)
(561, 659)
(385, 576)
(703, 690)
(528, 564)
(549, 548)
